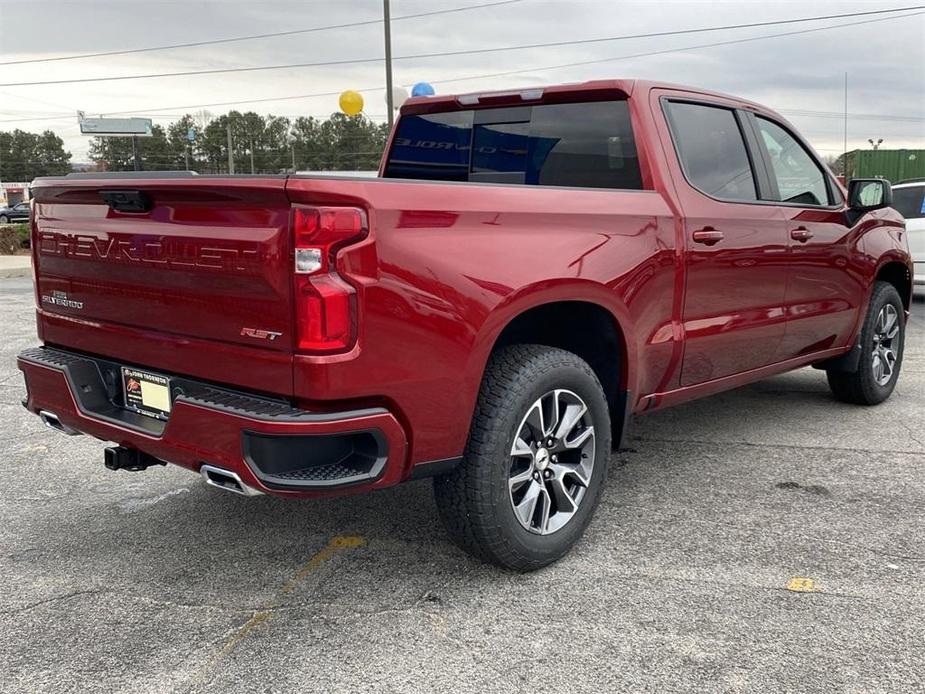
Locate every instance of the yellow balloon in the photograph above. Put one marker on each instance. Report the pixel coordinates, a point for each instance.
(351, 102)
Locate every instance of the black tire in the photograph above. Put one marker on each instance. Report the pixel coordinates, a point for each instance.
(862, 387)
(4, 219)
(474, 500)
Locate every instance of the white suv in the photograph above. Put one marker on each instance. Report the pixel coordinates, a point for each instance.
(909, 201)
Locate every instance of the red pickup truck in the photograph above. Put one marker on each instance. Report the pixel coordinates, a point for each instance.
(529, 269)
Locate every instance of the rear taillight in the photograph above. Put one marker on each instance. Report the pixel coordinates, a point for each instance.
(325, 303)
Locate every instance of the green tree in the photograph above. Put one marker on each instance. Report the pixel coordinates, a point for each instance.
(115, 153)
(351, 143)
(262, 144)
(306, 147)
(25, 156)
(184, 153)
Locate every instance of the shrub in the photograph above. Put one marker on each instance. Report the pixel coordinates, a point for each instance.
(9, 239)
(25, 235)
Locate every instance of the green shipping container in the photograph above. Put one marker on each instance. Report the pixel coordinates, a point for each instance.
(892, 164)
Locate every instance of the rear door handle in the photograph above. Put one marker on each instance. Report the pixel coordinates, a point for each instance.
(801, 234)
(707, 236)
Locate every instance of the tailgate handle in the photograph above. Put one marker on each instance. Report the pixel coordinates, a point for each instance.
(126, 200)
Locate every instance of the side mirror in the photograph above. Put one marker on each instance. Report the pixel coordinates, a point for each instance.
(865, 194)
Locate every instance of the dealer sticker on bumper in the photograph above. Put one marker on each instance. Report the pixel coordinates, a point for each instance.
(146, 393)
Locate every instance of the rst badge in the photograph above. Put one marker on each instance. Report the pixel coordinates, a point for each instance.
(260, 334)
(57, 298)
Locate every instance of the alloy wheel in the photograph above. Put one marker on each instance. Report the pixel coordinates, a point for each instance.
(883, 356)
(552, 459)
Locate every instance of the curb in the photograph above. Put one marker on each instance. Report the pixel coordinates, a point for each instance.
(16, 271)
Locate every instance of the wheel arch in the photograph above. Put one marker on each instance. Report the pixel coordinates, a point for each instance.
(586, 320)
(898, 273)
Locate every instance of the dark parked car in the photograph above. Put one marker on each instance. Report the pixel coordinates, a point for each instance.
(20, 212)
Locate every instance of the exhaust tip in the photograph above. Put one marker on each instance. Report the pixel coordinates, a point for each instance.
(50, 419)
(227, 480)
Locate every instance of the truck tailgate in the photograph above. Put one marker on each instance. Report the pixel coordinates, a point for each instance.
(197, 282)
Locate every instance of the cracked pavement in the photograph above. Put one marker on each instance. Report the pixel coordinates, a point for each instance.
(153, 582)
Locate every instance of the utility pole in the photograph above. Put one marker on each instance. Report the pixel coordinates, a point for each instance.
(135, 154)
(388, 58)
(252, 156)
(230, 153)
(845, 168)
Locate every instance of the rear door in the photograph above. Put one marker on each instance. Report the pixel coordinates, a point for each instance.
(824, 290)
(733, 315)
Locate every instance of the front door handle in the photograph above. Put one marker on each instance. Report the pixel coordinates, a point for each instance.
(707, 236)
(801, 234)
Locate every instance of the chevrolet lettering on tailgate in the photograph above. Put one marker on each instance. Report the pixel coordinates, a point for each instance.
(172, 253)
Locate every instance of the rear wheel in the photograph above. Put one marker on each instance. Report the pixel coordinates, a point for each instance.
(535, 462)
(882, 338)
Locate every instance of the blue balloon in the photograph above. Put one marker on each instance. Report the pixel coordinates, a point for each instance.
(422, 89)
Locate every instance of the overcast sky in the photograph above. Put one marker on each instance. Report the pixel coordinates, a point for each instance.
(885, 60)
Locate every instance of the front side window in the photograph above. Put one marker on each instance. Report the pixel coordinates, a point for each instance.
(587, 145)
(800, 180)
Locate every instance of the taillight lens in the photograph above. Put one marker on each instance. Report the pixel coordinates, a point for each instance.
(325, 304)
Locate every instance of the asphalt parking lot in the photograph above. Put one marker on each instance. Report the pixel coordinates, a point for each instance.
(153, 582)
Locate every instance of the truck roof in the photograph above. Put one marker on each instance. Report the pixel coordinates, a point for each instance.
(573, 91)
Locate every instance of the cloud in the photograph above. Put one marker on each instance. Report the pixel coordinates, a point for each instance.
(885, 61)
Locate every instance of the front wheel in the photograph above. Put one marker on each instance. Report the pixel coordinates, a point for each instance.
(4, 219)
(535, 462)
(882, 339)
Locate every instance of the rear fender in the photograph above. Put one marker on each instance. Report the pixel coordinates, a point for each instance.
(540, 294)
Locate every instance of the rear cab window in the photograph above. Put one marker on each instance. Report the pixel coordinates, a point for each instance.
(711, 148)
(585, 145)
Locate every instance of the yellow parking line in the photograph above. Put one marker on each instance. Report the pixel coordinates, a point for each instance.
(801, 584)
(325, 553)
(263, 615)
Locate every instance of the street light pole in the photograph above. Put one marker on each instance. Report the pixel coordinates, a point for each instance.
(388, 58)
(230, 153)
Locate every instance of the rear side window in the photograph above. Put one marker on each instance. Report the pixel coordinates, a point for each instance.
(910, 202)
(800, 180)
(432, 147)
(712, 150)
(588, 145)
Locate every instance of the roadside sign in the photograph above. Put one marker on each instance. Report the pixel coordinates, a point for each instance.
(117, 127)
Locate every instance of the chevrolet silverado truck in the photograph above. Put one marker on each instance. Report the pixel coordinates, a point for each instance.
(529, 270)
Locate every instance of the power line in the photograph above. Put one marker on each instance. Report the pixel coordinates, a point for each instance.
(862, 116)
(530, 70)
(358, 61)
(253, 37)
(673, 50)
